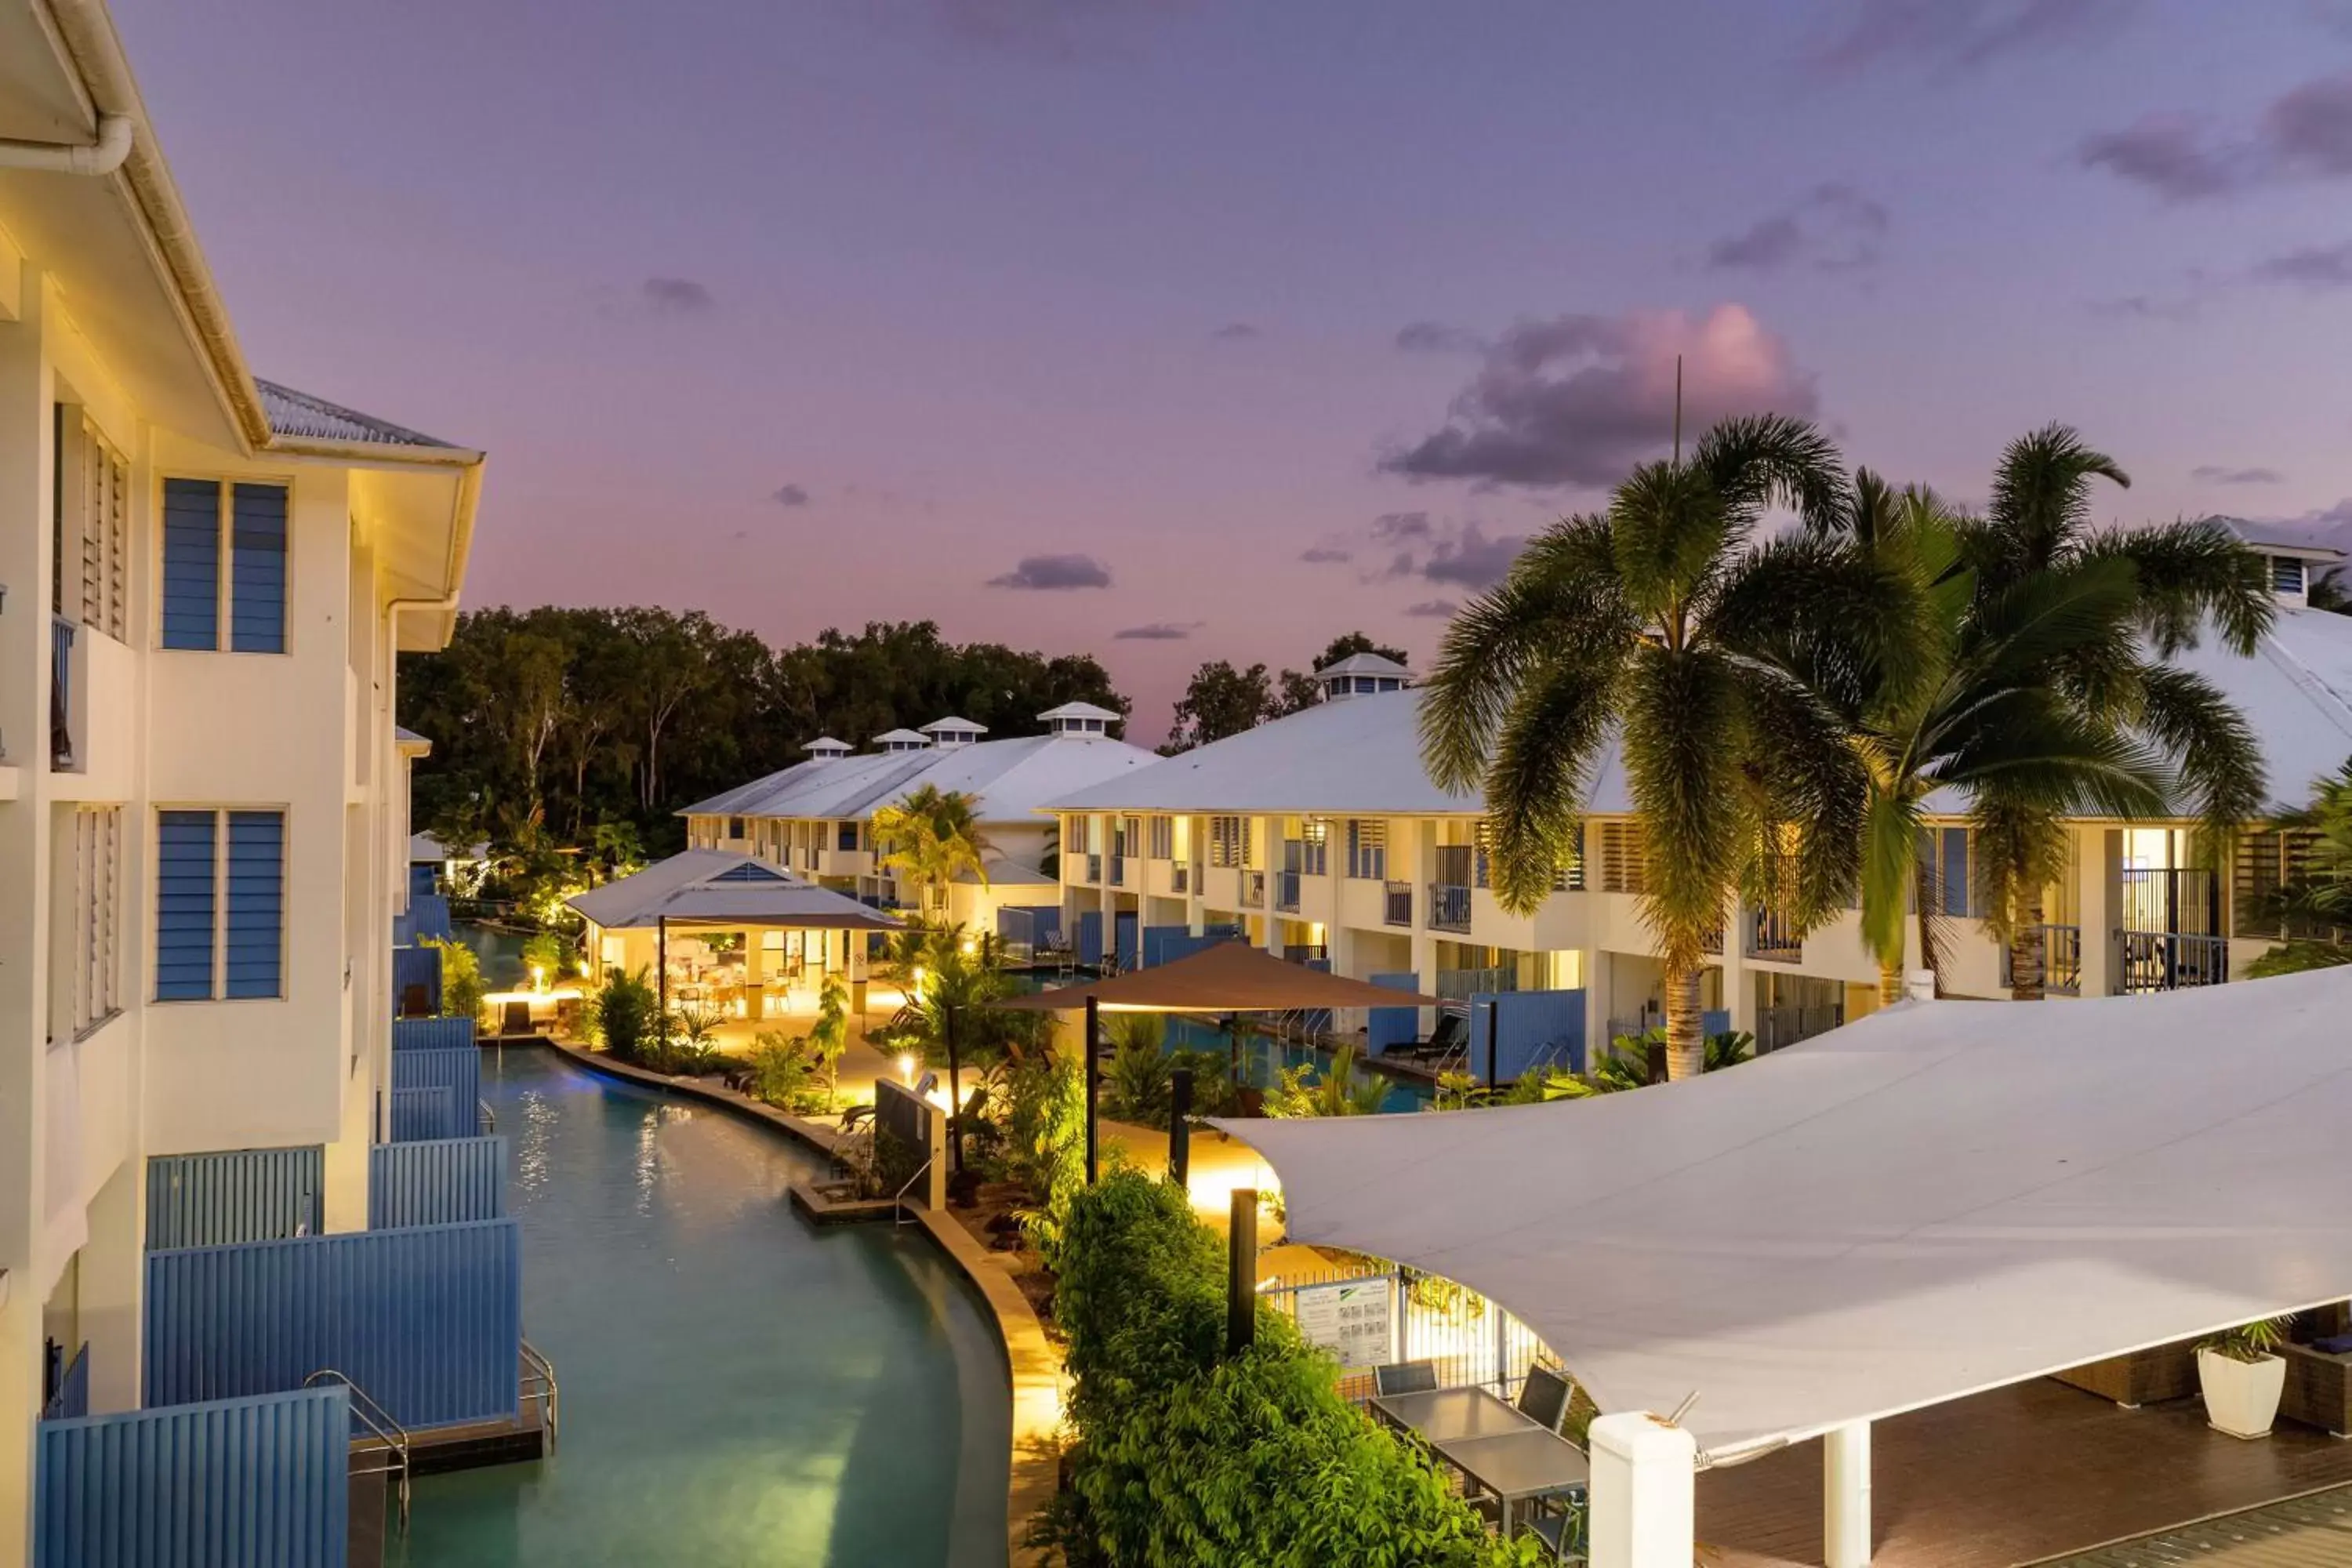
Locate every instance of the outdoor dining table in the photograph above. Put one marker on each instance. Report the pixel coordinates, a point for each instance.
(1488, 1439)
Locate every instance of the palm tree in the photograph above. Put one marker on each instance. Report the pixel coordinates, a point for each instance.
(933, 837)
(1664, 625)
(1977, 714)
(2188, 577)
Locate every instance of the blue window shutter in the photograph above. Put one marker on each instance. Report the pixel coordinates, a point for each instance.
(258, 570)
(184, 896)
(1959, 886)
(191, 563)
(257, 901)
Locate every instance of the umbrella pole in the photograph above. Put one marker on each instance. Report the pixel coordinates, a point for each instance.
(1094, 1048)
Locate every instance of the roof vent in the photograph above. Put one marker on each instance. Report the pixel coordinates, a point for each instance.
(825, 749)
(1078, 718)
(902, 741)
(950, 732)
(1360, 675)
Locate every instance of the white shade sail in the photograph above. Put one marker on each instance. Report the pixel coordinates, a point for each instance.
(1942, 1198)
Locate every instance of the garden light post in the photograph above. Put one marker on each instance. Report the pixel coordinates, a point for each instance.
(1240, 1272)
(1094, 1050)
(1179, 1130)
(1493, 1047)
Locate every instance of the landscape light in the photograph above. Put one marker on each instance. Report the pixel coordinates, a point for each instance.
(907, 1066)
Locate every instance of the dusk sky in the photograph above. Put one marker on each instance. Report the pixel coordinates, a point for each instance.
(1173, 330)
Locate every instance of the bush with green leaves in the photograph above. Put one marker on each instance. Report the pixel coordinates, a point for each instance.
(1045, 1145)
(461, 979)
(784, 1072)
(1136, 1080)
(1186, 1455)
(624, 1016)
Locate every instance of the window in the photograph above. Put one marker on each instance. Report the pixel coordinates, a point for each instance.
(1074, 834)
(1945, 862)
(201, 516)
(734, 827)
(1623, 857)
(97, 881)
(95, 490)
(844, 835)
(1163, 838)
(1315, 848)
(1368, 849)
(1228, 841)
(2287, 574)
(220, 904)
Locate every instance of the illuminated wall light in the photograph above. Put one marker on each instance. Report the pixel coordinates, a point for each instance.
(907, 1066)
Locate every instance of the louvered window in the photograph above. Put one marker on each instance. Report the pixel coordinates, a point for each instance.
(199, 515)
(97, 484)
(1947, 870)
(1315, 848)
(1368, 849)
(97, 883)
(1622, 857)
(1228, 841)
(2266, 865)
(220, 905)
(1163, 838)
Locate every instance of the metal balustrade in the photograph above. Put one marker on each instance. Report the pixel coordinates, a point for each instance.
(1253, 890)
(2169, 960)
(1449, 907)
(1398, 910)
(1286, 891)
(2062, 960)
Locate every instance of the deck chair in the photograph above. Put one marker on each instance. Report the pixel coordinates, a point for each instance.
(1543, 1398)
(417, 1001)
(516, 1019)
(1404, 1377)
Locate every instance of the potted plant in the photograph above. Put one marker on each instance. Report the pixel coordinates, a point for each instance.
(2241, 1379)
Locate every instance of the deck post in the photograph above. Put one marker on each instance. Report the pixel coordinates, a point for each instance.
(1645, 1493)
(1845, 1495)
(1180, 1129)
(1094, 1053)
(1241, 1271)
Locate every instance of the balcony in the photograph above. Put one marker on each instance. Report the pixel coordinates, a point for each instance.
(2062, 961)
(1093, 869)
(1399, 910)
(1449, 907)
(1286, 891)
(1771, 936)
(1118, 869)
(1779, 1027)
(1253, 894)
(1461, 984)
(61, 677)
(1180, 877)
(1710, 941)
(1306, 952)
(2170, 960)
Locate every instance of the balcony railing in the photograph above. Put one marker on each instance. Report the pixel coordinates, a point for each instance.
(1779, 1027)
(1711, 941)
(1117, 870)
(1094, 868)
(1461, 984)
(1180, 877)
(1399, 911)
(1286, 891)
(1771, 936)
(2170, 960)
(61, 673)
(1449, 907)
(2062, 961)
(1305, 952)
(1253, 890)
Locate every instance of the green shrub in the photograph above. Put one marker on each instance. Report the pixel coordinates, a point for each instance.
(1045, 1144)
(1187, 1456)
(461, 979)
(783, 1072)
(624, 1016)
(552, 953)
(1135, 1087)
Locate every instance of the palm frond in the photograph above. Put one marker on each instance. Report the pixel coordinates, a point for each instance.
(2041, 496)
(1683, 738)
(1757, 460)
(1544, 759)
(2189, 574)
(2220, 759)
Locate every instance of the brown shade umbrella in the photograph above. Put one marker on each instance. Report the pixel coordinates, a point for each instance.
(1231, 977)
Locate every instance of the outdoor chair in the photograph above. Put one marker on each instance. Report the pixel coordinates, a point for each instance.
(516, 1019)
(1543, 1398)
(1562, 1533)
(1404, 1377)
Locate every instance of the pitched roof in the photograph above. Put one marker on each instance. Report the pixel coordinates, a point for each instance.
(718, 885)
(1365, 664)
(1010, 779)
(1079, 710)
(301, 416)
(2296, 692)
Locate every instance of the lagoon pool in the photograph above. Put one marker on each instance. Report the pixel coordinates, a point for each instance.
(1263, 1055)
(737, 1387)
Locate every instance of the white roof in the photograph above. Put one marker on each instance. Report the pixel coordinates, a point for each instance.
(718, 885)
(1079, 710)
(1945, 1197)
(293, 413)
(2296, 693)
(951, 725)
(1366, 664)
(902, 737)
(1011, 780)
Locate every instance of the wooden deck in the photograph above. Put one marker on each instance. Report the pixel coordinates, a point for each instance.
(2014, 1477)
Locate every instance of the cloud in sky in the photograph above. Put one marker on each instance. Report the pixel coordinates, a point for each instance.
(2313, 267)
(1949, 36)
(2306, 134)
(1394, 527)
(1470, 559)
(1433, 609)
(1234, 332)
(1834, 227)
(1414, 544)
(1437, 338)
(1159, 631)
(1325, 554)
(1053, 573)
(676, 297)
(790, 495)
(2217, 474)
(1580, 399)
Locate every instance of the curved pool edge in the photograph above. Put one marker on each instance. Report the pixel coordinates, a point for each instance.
(1031, 1364)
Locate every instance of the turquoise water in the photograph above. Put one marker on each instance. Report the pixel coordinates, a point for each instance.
(500, 953)
(1263, 1057)
(737, 1387)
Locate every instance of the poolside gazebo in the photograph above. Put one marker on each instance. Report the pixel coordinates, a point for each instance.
(1940, 1201)
(791, 927)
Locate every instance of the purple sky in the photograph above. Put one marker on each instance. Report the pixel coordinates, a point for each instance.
(1232, 326)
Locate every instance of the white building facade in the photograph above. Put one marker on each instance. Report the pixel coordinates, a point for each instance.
(1319, 836)
(203, 810)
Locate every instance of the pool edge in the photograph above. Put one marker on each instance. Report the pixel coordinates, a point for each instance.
(1031, 1361)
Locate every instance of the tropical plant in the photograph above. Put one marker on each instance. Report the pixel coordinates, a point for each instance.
(829, 1035)
(1659, 625)
(781, 1071)
(1136, 1082)
(625, 1014)
(695, 1024)
(2313, 907)
(461, 978)
(2252, 1342)
(2186, 579)
(549, 955)
(1045, 1144)
(1331, 1091)
(933, 837)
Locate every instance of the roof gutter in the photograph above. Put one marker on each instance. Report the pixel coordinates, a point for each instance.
(95, 52)
(101, 157)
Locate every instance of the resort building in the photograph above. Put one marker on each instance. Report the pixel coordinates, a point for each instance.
(1319, 836)
(205, 580)
(817, 817)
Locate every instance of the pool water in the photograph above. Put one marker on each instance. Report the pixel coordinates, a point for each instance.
(737, 1387)
(1263, 1057)
(499, 952)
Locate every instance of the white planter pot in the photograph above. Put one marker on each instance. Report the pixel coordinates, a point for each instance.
(2241, 1397)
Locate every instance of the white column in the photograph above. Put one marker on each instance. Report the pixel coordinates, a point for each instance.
(1845, 1495)
(1594, 963)
(1738, 980)
(1645, 1493)
(2098, 905)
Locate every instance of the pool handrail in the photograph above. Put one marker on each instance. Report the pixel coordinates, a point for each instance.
(389, 1434)
(537, 1369)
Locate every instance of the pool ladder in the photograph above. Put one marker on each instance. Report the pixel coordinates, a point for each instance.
(538, 1385)
(385, 1436)
(898, 1198)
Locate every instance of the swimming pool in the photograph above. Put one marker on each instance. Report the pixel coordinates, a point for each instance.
(1263, 1055)
(737, 1387)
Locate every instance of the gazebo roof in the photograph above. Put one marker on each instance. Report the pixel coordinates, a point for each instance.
(716, 886)
(1230, 977)
(1943, 1198)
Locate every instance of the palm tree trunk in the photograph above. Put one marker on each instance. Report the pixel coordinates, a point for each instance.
(1686, 1035)
(2027, 976)
(1890, 985)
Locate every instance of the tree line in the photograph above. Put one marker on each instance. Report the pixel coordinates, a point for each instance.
(549, 723)
(1223, 700)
